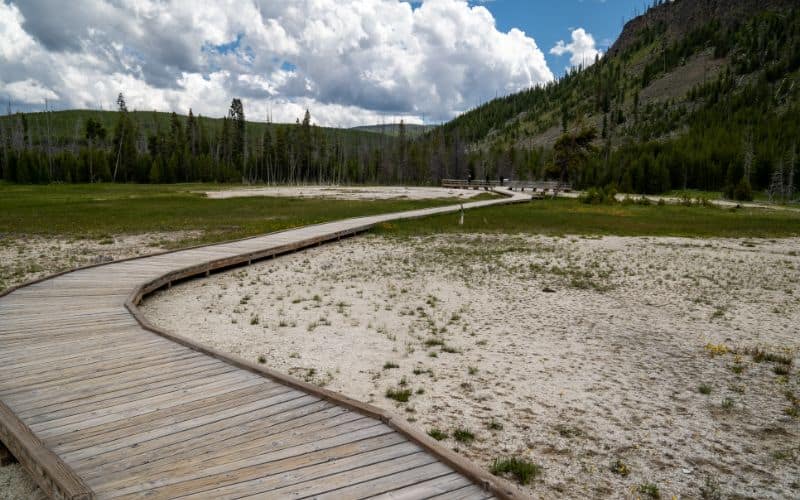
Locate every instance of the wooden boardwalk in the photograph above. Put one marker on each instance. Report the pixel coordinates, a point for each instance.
(97, 403)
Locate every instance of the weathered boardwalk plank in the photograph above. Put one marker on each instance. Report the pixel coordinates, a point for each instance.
(98, 403)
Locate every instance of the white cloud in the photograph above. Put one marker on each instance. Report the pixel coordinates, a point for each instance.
(349, 61)
(29, 91)
(583, 49)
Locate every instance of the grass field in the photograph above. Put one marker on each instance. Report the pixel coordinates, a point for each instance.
(98, 210)
(564, 216)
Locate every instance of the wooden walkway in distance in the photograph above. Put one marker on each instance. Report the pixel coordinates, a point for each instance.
(97, 403)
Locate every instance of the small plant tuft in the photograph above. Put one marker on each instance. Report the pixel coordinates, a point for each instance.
(620, 467)
(437, 434)
(463, 436)
(400, 395)
(522, 470)
(650, 490)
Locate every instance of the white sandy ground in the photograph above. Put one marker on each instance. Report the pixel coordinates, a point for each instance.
(348, 192)
(606, 367)
(24, 258)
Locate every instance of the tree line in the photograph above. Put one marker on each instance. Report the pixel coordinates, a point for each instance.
(82, 146)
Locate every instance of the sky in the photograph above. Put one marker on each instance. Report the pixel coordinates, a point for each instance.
(350, 62)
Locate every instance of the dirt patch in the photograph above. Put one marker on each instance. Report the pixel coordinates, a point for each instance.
(348, 193)
(612, 363)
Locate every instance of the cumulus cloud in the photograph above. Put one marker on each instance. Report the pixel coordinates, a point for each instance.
(349, 61)
(583, 49)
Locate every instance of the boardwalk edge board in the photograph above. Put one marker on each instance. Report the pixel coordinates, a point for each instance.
(51, 474)
(59, 481)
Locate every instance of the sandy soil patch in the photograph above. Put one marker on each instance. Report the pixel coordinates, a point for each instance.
(23, 258)
(15, 484)
(612, 363)
(348, 192)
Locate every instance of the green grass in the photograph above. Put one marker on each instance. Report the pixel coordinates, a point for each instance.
(399, 395)
(437, 434)
(463, 436)
(650, 490)
(98, 210)
(566, 216)
(522, 470)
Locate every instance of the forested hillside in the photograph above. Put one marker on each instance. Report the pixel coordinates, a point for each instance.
(135, 146)
(691, 96)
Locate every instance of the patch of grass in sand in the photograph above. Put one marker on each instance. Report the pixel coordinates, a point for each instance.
(437, 434)
(495, 425)
(704, 389)
(760, 355)
(464, 436)
(650, 490)
(621, 468)
(565, 216)
(390, 365)
(71, 210)
(710, 489)
(716, 349)
(433, 342)
(520, 469)
(399, 395)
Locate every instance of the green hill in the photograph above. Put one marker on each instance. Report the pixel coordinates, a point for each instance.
(68, 127)
(393, 129)
(701, 94)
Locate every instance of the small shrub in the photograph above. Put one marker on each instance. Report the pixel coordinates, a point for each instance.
(781, 369)
(262, 359)
(727, 404)
(522, 470)
(433, 342)
(759, 355)
(400, 395)
(650, 490)
(389, 365)
(710, 489)
(620, 467)
(704, 389)
(254, 320)
(463, 436)
(495, 425)
(437, 434)
(472, 370)
(716, 349)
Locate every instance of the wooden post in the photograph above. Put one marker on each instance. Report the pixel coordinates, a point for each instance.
(6, 457)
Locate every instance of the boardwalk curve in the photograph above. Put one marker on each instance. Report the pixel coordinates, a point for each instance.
(95, 402)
